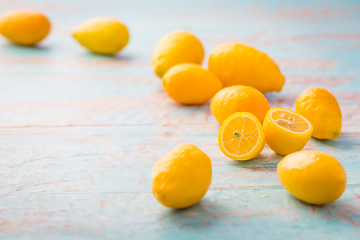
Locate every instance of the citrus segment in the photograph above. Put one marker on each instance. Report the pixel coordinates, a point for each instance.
(291, 121)
(286, 131)
(241, 136)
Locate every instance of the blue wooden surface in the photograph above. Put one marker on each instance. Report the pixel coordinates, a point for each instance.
(73, 124)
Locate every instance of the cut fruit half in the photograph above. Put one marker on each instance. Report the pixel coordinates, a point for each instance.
(286, 131)
(241, 136)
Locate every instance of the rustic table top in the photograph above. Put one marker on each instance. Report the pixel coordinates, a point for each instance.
(74, 125)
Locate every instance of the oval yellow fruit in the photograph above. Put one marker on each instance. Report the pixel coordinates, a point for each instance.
(286, 131)
(323, 111)
(182, 177)
(239, 99)
(191, 84)
(102, 35)
(312, 176)
(241, 136)
(238, 64)
(24, 27)
(176, 48)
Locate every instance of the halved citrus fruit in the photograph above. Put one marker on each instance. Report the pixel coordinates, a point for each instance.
(286, 131)
(241, 136)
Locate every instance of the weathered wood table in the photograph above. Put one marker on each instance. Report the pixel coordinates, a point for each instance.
(79, 133)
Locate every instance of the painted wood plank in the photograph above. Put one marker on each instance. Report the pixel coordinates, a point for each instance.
(73, 124)
(38, 157)
(315, 44)
(91, 183)
(229, 214)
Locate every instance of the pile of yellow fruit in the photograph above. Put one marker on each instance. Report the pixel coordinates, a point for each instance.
(237, 77)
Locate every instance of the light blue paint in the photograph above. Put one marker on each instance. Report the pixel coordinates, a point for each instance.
(73, 124)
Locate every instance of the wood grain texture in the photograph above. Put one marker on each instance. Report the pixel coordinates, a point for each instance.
(73, 124)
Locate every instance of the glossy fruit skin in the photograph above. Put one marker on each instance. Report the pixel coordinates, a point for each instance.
(239, 99)
(260, 145)
(102, 35)
(24, 27)
(312, 176)
(322, 109)
(238, 64)
(281, 140)
(182, 177)
(191, 84)
(176, 48)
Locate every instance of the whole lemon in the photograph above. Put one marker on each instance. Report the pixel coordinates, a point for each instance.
(102, 35)
(175, 48)
(238, 64)
(24, 27)
(312, 176)
(190, 84)
(182, 177)
(239, 99)
(323, 111)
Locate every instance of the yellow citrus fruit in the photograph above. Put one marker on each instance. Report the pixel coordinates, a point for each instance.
(241, 136)
(312, 176)
(102, 35)
(24, 27)
(175, 48)
(239, 99)
(190, 84)
(182, 177)
(238, 64)
(323, 111)
(286, 131)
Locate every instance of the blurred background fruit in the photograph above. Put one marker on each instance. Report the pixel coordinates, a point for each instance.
(102, 35)
(24, 27)
(175, 48)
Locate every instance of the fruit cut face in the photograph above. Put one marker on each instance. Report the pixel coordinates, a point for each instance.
(240, 136)
(290, 121)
